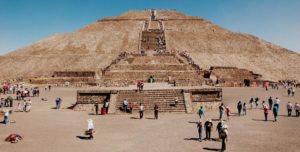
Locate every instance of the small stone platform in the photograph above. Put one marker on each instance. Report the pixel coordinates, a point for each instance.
(188, 99)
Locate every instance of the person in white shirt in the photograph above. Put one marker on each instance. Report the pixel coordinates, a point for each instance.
(297, 109)
(90, 129)
(141, 108)
(6, 114)
(125, 105)
(28, 105)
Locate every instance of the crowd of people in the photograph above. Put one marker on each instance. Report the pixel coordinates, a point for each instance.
(241, 108)
(16, 92)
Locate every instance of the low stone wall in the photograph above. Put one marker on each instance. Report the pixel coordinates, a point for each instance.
(74, 74)
(190, 100)
(87, 98)
(64, 80)
(233, 76)
(209, 98)
(92, 96)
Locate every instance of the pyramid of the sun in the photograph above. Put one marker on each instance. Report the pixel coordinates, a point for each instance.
(96, 45)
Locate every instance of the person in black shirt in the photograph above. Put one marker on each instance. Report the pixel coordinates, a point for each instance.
(270, 103)
(239, 107)
(219, 127)
(96, 108)
(208, 126)
(156, 112)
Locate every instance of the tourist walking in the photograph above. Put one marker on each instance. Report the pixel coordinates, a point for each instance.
(57, 103)
(208, 127)
(130, 107)
(270, 103)
(228, 112)
(6, 115)
(256, 102)
(219, 128)
(266, 111)
(224, 137)
(297, 109)
(201, 113)
(276, 103)
(140, 85)
(141, 110)
(125, 105)
(28, 105)
(289, 91)
(11, 100)
(275, 112)
(293, 91)
(263, 104)
(251, 102)
(90, 129)
(199, 126)
(20, 106)
(24, 105)
(156, 111)
(96, 105)
(221, 111)
(239, 107)
(244, 109)
(289, 108)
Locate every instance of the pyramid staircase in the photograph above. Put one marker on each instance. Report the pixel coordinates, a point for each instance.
(165, 99)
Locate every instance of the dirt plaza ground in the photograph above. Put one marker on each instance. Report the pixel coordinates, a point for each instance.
(49, 130)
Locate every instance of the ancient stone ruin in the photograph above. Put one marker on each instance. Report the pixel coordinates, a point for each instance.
(234, 77)
(168, 100)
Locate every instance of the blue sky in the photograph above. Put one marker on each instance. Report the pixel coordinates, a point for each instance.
(23, 22)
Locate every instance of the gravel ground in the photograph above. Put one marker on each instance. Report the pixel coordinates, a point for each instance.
(49, 130)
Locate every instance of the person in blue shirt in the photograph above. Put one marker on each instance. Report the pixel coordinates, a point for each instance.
(199, 126)
(275, 111)
(201, 113)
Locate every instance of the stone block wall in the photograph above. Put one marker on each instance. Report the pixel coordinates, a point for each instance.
(189, 100)
(87, 98)
(74, 74)
(233, 76)
(209, 98)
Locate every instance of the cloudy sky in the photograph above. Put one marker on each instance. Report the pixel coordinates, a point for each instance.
(23, 22)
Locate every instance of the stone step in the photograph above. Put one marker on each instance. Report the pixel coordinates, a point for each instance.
(165, 99)
(153, 66)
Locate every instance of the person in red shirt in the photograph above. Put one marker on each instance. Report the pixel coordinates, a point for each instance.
(139, 83)
(266, 111)
(227, 112)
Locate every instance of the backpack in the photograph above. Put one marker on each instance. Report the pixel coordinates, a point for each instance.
(223, 133)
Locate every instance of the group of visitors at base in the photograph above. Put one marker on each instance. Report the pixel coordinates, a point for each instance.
(273, 104)
(291, 91)
(128, 107)
(222, 129)
(24, 106)
(104, 109)
(21, 93)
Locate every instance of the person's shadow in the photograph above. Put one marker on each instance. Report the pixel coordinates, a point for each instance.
(211, 149)
(195, 139)
(83, 137)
